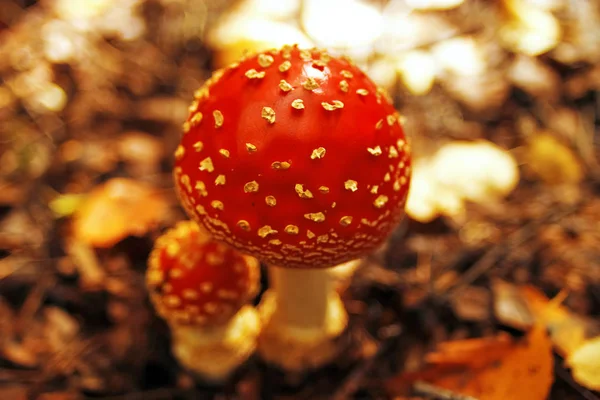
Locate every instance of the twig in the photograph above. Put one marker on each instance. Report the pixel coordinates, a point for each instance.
(425, 389)
(93, 276)
(13, 376)
(155, 394)
(355, 378)
(584, 142)
(494, 254)
(33, 301)
(10, 265)
(566, 376)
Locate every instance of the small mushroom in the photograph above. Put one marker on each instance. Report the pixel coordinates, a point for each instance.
(201, 289)
(297, 158)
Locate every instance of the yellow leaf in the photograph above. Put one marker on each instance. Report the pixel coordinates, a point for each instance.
(552, 161)
(65, 204)
(117, 209)
(585, 364)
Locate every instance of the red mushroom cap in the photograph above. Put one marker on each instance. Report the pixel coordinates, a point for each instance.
(295, 157)
(196, 280)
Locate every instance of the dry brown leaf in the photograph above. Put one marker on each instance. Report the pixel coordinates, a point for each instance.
(585, 364)
(518, 371)
(117, 209)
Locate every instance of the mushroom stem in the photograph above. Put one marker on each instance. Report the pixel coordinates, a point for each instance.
(215, 352)
(302, 296)
(303, 317)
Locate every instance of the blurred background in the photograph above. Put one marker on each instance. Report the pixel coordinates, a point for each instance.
(502, 110)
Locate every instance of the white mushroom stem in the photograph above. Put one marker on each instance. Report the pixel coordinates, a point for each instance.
(303, 316)
(215, 353)
(302, 296)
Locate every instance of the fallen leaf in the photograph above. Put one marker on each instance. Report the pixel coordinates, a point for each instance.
(66, 204)
(552, 161)
(568, 333)
(19, 354)
(490, 369)
(510, 308)
(543, 308)
(529, 29)
(14, 392)
(117, 209)
(472, 353)
(243, 31)
(567, 330)
(585, 364)
(472, 304)
(443, 182)
(91, 275)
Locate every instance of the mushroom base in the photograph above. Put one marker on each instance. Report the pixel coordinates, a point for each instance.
(215, 353)
(295, 348)
(342, 274)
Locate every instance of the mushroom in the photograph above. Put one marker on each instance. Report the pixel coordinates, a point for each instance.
(200, 287)
(297, 158)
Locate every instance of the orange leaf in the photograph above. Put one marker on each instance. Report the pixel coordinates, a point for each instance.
(472, 353)
(117, 209)
(517, 371)
(567, 330)
(548, 311)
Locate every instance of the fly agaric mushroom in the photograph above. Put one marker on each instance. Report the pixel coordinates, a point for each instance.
(299, 159)
(201, 287)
